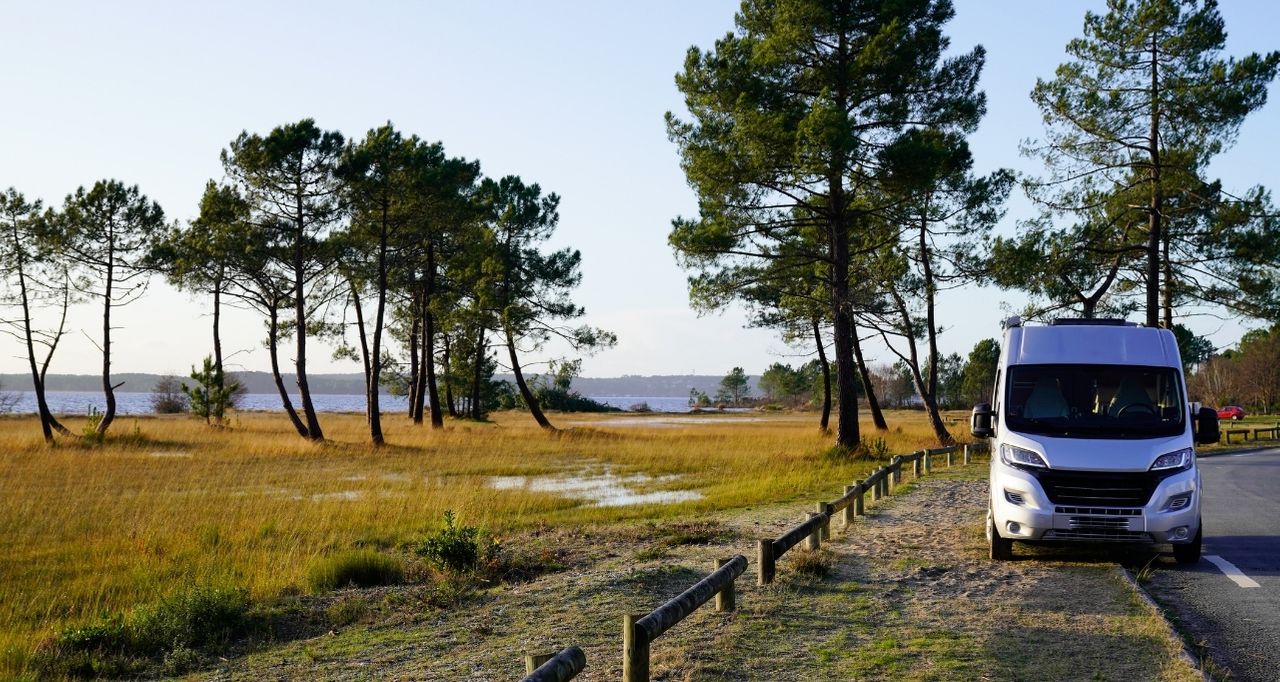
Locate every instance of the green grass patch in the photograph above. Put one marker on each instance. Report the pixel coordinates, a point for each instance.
(355, 568)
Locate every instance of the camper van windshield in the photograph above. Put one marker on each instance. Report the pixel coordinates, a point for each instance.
(1106, 401)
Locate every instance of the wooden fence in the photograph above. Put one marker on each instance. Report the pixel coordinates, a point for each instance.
(639, 632)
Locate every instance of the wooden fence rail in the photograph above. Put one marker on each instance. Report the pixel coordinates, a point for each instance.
(559, 667)
(817, 527)
(639, 633)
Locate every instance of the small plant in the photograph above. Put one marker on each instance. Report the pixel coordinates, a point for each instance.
(90, 433)
(346, 611)
(357, 568)
(452, 548)
(1148, 571)
(877, 448)
(817, 564)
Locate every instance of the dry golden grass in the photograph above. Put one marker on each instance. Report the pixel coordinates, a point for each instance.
(166, 502)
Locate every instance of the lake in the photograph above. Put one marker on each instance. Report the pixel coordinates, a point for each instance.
(81, 402)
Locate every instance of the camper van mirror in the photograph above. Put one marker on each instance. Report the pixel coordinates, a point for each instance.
(980, 422)
(1207, 426)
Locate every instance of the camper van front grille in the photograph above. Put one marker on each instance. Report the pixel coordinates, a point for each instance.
(1097, 534)
(1094, 522)
(1097, 489)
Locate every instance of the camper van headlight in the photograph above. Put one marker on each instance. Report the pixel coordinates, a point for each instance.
(1020, 457)
(1174, 461)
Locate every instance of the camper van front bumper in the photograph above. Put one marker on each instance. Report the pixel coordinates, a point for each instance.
(1023, 510)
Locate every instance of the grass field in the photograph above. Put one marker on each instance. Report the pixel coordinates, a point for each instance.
(167, 503)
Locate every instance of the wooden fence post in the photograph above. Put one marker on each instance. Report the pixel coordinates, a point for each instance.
(915, 464)
(846, 517)
(814, 541)
(875, 489)
(858, 509)
(764, 560)
(897, 471)
(532, 661)
(966, 454)
(949, 451)
(725, 598)
(635, 651)
(928, 462)
(825, 530)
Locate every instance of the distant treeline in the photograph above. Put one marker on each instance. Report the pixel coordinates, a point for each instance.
(658, 386)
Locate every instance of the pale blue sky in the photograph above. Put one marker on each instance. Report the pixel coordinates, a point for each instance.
(567, 94)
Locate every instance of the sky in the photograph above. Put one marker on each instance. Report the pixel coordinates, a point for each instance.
(570, 95)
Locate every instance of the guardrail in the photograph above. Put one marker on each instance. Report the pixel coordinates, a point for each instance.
(817, 527)
(558, 667)
(1243, 433)
(639, 632)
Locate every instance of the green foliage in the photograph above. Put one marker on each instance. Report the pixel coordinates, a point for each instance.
(1132, 122)
(211, 394)
(169, 631)
(980, 373)
(554, 390)
(167, 397)
(734, 387)
(454, 548)
(803, 101)
(1193, 349)
(355, 568)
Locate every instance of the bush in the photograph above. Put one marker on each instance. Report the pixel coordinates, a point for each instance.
(453, 548)
(167, 397)
(169, 630)
(356, 568)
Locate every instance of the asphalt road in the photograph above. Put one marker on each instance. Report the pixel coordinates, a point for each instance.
(1238, 620)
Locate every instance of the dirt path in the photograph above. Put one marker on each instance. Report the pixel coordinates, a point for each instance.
(906, 595)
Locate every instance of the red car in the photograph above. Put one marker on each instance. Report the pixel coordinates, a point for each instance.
(1231, 412)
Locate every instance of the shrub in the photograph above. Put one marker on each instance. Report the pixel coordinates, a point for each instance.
(453, 548)
(358, 568)
(167, 397)
(169, 630)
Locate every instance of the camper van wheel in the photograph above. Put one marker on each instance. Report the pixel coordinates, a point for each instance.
(1001, 548)
(1189, 553)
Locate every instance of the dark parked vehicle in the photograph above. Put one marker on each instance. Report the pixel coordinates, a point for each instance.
(1234, 412)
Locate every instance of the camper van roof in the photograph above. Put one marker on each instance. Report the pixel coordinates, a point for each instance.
(1109, 344)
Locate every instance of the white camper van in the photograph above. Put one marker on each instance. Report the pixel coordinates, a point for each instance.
(1092, 438)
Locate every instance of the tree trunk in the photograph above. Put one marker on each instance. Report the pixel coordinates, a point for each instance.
(420, 392)
(1156, 209)
(868, 388)
(429, 342)
(1167, 308)
(48, 357)
(477, 408)
(413, 357)
(273, 351)
(847, 434)
(314, 431)
(529, 398)
(37, 385)
(107, 389)
(913, 363)
(931, 334)
(824, 423)
(448, 383)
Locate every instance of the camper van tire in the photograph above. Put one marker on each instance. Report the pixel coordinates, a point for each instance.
(1189, 553)
(1001, 549)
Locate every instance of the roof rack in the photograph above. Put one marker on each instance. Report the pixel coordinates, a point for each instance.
(1098, 322)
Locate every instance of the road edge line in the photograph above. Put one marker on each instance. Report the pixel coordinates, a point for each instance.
(1153, 607)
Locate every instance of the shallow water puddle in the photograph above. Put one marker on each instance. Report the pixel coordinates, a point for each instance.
(667, 422)
(605, 489)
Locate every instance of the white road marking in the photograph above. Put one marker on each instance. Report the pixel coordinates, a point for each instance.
(1229, 569)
